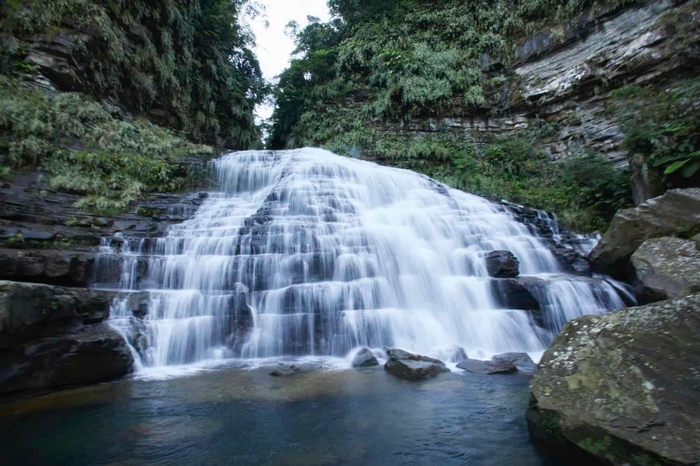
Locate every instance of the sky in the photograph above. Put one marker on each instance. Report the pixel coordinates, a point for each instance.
(273, 46)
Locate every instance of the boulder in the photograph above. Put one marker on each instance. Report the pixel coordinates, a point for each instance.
(676, 213)
(515, 293)
(84, 355)
(522, 361)
(487, 367)
(623, 387)
(502, 264)
(666, 268)
(364, 358)
(413, 367)
(395, 354)
(52, 337)
(413, 371)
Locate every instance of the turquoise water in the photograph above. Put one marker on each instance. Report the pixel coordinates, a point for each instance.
(247, 417)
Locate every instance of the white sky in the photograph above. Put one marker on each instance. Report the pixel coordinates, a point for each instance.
(273, 46)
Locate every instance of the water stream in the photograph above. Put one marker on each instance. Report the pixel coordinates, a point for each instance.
(308, 253)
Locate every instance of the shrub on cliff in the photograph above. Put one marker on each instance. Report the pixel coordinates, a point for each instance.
(186, 64)
(663, 126)
(83, 148)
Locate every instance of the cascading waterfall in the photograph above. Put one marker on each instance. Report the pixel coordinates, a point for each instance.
(308, 253)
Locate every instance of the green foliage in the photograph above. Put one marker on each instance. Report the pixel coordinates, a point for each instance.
(86, 150)
(664, 127)
(184, 63)
(408, 59)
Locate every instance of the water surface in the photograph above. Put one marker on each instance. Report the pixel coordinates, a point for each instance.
(247, 417)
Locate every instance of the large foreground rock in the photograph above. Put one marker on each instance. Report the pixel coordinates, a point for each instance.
(676, 213)
(52, 337)
(624, 387)
(666, 268)
(413, 367)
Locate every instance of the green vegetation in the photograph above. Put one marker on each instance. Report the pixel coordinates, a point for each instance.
(84, 149)
(663, 126)
(358, 79)
(186, 64)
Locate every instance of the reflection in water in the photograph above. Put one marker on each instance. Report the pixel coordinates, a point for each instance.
(247, 417)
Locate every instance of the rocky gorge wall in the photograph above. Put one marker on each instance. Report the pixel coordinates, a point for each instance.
(565, 76)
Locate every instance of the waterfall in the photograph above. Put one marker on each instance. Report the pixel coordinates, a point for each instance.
(305, 252)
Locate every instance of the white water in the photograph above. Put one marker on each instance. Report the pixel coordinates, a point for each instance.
(331, 253)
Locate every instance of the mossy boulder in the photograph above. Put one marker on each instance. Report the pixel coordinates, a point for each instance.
(666, 268)
(623, 388)
(676, 213)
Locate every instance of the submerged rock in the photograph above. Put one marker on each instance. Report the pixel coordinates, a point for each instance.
(520, 360)
(487, 367)
(502, 264)
(364, 358)
(52, 337)
(666, 268)
(413, 367)
(623, 387)
(676, 213)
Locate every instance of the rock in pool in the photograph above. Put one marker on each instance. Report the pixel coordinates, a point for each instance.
(364, 358)
(413, 367)
(487, 367)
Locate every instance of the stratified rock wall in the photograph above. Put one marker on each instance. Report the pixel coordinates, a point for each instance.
(565, 76)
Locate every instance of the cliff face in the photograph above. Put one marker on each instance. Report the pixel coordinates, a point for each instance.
(554, 86)
(566, 75)
(184, 64)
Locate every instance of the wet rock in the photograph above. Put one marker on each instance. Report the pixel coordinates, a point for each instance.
(666, 268)
(412, 367)
(622, 387)
(288, 370)
(29, 309)
(522, 361)
(513, 293)
(52, 337)
(83, 355)
(502, 264)
(676, 213)
(53, 267)
(364, 358)
(412, 370)
(284, 371)
(487, 367)
(395, 354)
